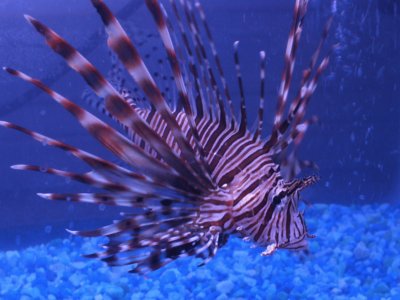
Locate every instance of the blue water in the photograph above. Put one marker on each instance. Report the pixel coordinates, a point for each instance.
(355, 144)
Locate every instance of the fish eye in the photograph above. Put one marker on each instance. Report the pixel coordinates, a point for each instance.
(276, 200)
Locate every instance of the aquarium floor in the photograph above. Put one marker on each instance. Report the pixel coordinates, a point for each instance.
(355, 256)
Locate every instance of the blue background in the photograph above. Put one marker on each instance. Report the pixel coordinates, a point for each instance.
(356, 143)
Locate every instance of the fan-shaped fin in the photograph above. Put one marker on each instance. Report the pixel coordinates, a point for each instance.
(120, 43)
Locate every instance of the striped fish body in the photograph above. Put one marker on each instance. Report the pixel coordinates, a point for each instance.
(240, 204)
(193, 174)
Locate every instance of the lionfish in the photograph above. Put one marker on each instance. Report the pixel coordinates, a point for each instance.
(191, 172)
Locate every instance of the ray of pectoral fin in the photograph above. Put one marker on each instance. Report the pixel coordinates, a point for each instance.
(120, 43)
(107, 169)
(117, 106)
(109, 137)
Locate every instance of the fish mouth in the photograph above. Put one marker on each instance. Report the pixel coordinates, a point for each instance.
(298, 185)
(310, 180)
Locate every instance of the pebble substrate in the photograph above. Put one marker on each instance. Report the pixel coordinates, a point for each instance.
(355, 256)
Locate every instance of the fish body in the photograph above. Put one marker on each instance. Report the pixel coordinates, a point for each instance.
(193, 173)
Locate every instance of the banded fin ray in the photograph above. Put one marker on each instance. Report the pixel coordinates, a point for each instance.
(202, 58)
(214, 52)
(203, 105)
(109, 137)
(260, 113)
(277, 141)
(158, 15)
(150, 222)
(299, 104)
(129, 199)
(116, 105)
(105, 168)
(194, 174)
(300, 9)
(222, 133)
(120, 43)
(243, 110)
(90, 178)
(148, 248)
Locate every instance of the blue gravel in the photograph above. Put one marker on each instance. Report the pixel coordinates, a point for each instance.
(355, 256)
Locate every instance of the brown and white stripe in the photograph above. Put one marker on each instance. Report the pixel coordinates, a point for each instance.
(195, 174)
